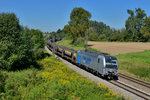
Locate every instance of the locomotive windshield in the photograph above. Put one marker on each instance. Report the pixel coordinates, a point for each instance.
(111, 62)
(110, 59)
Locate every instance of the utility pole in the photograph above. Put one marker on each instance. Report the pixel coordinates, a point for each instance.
(86, 42)
(53, 51)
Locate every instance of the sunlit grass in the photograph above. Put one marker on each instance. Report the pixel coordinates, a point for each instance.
(135, 64)
(80, 46)
(54, 81)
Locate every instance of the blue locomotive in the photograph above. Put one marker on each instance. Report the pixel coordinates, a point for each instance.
(104, 65)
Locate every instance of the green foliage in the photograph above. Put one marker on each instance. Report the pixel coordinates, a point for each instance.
(58, 35)
(78, 46)
(102, 37)
(137, 64)
(145, 30)
(134, 23)
(100, 28)
(102, 32)
(93, 37)
(2, 82)
(116, 37)
(78, 24)
(37, 38)
(19, 46)
(9, 27)
(38, 41)
(55, 81)
(68, 44)
(124, 35)
(16, 52)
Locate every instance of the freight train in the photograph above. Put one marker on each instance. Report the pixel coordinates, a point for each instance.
(101, 64)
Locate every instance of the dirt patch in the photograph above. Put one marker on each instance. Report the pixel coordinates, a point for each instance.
(115, 48)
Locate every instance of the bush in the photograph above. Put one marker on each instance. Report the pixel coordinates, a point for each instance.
(93, 37)
(102, 37)
(115, 37)
(15, 46)
(3, 77)
(20, 46)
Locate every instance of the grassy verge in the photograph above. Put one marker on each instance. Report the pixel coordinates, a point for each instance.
(135, 64)
(80, 46)
(54, 81)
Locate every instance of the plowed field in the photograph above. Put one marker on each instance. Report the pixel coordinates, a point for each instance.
(115, 48)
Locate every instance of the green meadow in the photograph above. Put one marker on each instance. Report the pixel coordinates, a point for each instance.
(78, 46)
(135, 64)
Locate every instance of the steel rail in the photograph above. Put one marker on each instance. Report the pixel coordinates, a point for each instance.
(131, 89)
(137, 81)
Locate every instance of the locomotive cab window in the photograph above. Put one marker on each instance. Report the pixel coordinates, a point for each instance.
(99, 60)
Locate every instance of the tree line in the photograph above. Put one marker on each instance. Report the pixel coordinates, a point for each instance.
(20, 47)
(137, 28)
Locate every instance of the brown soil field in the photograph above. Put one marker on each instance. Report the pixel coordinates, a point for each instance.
(115, 48)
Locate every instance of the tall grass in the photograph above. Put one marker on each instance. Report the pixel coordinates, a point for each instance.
(136, 64)
(54, 81)
(77, 46)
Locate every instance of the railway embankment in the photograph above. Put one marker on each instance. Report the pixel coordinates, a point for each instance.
(53, 81)
(100, 81)
(134, 69)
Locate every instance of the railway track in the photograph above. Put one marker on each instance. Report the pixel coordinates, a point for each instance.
(137, 81)
(131, 89)
(122, 85)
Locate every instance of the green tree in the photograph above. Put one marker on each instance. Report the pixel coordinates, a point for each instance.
(102, 37)
(9, 27)
(38, 41)
(15, 44)
(9, 39)
(125, 35)
(100, 28)
(145, 31)
(115, 37)
(78, 24)
(37, 38)
(134, 23)
(93, 37)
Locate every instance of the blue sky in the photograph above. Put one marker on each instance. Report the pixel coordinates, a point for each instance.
(50, 15)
